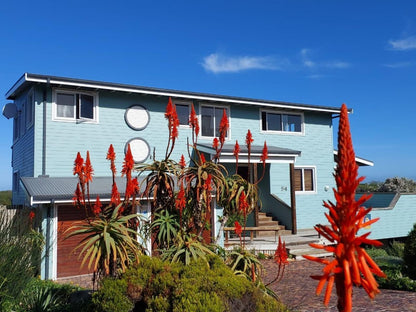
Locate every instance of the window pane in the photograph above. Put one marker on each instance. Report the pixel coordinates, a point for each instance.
(274, 122)
(308, 177)
(87, 106)
(263, 121)
(207, 121)
(298, 180)
(183, 113)
(65, 105)
(292, 123)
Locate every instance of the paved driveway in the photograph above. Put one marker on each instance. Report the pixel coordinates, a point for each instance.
(297, 291)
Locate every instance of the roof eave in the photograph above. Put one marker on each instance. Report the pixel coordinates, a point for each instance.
(35, 78)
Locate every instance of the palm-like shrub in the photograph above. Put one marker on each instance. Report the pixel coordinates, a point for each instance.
(245, 263)
(187, 248)
(109, 242)
(166, 225)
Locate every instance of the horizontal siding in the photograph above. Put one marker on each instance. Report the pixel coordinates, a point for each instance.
(395, 222)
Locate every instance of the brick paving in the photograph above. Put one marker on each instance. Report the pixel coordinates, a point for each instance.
(297, 291)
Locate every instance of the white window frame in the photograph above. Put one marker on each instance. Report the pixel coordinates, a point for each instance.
(313, 168)
(227, 107)
(74, 119)
(267, 111)
(184, 103)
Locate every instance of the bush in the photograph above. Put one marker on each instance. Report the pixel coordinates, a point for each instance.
(155, 285)
(409, 254)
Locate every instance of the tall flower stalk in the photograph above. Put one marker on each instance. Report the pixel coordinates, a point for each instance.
(351, 264)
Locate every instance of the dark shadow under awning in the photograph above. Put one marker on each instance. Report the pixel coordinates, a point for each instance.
(276, 154)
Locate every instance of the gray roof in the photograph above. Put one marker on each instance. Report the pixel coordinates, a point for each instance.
(28, 79)
(49, 189)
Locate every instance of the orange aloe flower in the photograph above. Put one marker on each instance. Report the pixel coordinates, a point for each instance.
(264, 154)
(236, 153)
(193, 122)
(182, 162)
(128, 163)
(31, 215)
(112, 157)
(223, 129)
(180, 201)
(351, 264)
(238, 229)
(243, 204)
(280, 257)
(88, 169)
(79, 165)
(115, 195)
(215, 143)
(96, 209)
(249, 140)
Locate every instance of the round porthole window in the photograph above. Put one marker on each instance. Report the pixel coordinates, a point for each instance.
(137, 117)
(139, 149)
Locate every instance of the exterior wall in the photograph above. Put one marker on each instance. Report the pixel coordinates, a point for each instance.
(396, 220)
(22, 152)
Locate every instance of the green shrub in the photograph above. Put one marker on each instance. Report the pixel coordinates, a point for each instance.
(112, 296)
(409, 254)
(155, 285)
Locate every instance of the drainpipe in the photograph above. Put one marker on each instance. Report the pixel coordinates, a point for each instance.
(47, 239)
(44, 129)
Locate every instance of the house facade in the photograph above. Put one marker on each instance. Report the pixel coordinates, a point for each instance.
(56, 117)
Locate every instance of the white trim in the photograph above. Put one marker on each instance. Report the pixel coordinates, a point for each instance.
(315, 182)
(54, 239)
(95, 120)
(171, 93)
(228, 138)
(280, 112)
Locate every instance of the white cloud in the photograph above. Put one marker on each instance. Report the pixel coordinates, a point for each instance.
(218, 63)
(400, 64)
(405, 44)
(307, 62)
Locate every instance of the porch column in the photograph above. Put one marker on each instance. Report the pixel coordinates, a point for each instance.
(293, 197)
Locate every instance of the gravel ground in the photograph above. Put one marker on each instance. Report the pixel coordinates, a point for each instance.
(297, 291)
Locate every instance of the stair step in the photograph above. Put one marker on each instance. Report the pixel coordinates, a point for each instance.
(268, 223)
(304, 249)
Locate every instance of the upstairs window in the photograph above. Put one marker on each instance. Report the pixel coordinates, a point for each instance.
(305, 180)
(183, 110)
(281, 122)
(75, 106)
(210, 120)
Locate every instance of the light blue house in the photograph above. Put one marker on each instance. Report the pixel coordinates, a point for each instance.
(56, 117)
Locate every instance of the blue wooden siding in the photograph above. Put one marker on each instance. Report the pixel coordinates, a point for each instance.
(396, 218)
(65, 139)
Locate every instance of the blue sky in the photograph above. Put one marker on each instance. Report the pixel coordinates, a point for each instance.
(362, 53)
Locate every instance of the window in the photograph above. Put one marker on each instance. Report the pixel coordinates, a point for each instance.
(29, 109)
(281, 122)
(305, 179)
(183, 113)
(210, 120)
(75, 106)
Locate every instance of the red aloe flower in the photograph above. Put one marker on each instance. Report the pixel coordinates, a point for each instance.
(115, 195)
(280, 255)
(215, 144)
(223, 129)
(182, 162)
(169, 109)
(112, 157)
(79, 165)
(193, 122)
(236, 154)
(180, 201)
(352, 264)
(249, 140)
(173, 123)
(31, 215)
(128, 163)
(238, 229)
(96, 209)
(202, 158)
(78, 199)
(243, 204)
(264, 155)
(88, 169)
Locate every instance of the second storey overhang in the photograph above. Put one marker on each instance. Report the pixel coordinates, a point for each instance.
(275, 154)
(28, 80)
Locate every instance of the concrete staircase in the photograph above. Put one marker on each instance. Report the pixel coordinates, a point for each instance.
(298, 248)
(267, 221)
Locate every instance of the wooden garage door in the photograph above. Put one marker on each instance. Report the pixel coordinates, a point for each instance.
(69, 263)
